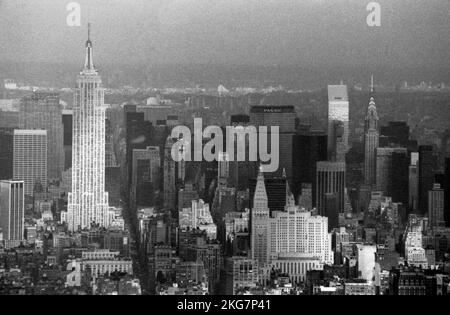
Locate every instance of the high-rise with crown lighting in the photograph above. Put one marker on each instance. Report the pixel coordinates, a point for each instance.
(88, 201)
(371, 138)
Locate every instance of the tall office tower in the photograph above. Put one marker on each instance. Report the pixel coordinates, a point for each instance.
(399, 178)
(413, 180)
(169, 166)
(330, 179)
(371, 136)
(305, 200)
(30, 158)
(426, 176)
(137, 135)
(384, 168)
(447, 192)
(223, 169)
(296, 231)
(397, 133)
(436, 206)
(241, 171)
(145, 176)
(12, 208)
(331, 210)
(260, 223)
(338, 122)
(284, 118)
(67, 139)
(43, 111)
(181, 165)
(88, 201)
(309, 148)
(6, 152)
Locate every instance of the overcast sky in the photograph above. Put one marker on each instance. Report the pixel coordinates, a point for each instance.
(301, 32)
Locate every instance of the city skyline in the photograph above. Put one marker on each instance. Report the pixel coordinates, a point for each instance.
(160, 182)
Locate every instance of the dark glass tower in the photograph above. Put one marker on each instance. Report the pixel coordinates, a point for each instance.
(426, 176)
(308, 149)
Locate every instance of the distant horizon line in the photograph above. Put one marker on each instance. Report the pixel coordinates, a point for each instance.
(376, 69)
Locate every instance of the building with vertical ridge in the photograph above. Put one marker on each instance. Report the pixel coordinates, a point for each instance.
(330, 179)
(371, 140)
(436, 206)
(12, 209)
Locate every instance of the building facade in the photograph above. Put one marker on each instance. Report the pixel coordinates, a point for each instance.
(338, 122)
(371, 138)
(12, 210)
(88, 201)
(30, 158)
(260, 223)
(43, 111)
(330, 178)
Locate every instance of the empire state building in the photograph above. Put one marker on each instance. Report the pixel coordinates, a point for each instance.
(88, 201)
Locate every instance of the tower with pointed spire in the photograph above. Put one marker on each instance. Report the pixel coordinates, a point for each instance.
(260, 222)
(88, 201)
(371, 138)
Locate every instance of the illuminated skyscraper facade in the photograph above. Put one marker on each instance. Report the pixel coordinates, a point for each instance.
(88, 201)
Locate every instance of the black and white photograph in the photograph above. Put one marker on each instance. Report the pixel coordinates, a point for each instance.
(211, 149)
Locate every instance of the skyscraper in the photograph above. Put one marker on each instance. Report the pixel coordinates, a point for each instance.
(6, 152)
(309, 148)
(384, 168)
(399, 178)
(436, 206)
(397, 133)
(371, 136)
(413, 180)
(12, 209)
(338, 122)
(145, 176)
(30, 158)
(67, 116)
(137, 135)
(42, 111)
(284, 118)
(447, 192)
(223, 169)
(426, 176)
(88, 201)
(330, 179)
(169, 166)
(260, 223)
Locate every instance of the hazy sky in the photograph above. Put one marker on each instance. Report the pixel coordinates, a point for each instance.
(302, 32)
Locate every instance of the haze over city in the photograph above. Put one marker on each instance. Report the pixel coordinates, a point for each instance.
(224, 148)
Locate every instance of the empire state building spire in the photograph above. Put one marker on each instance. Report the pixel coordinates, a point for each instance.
(89, 62)
(87, 203)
